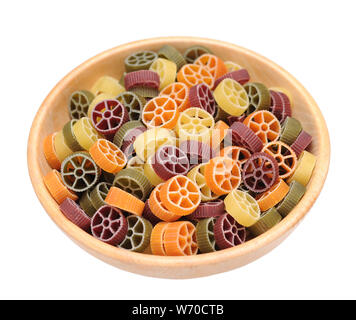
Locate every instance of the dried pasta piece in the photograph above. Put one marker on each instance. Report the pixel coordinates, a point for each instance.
(180, 195)
(85, 133)
(264, 124)
(200, 96)
(134, 104)
(79, 103)
(99, 193)
(284, 155)
(228, 233)
(157, 239)
(267, 221)
(79, 172)
(243, 136)
(296, 192)
(273, 196)
(214, 64)
(179, 92)
(193, 74)
(233, 119)
(108, 156)
(220, 131)
(69, 137)
(194, 52)
(205, 235)
(128, 132)
(258, 95)
(242, 207)
(149, 215)
(231, 97)
(50, 153)
(138, 234)
(195, 124)
(232, 66)
(142, 78)
(140, 60)
(304, 168)
(280, 105)
(285, 91)
(241, 76)
(98, 99)
(290, 130)
(180, 239)
(167, 71)
(151, 174)
(172, 54)
(125, 201)
(108, 85)
(109, 225)
(160, 112)
(57, 188)
(86, 204)
(197, 174)
(208, 209)
(301, 143)
(238, 154)
(196, 151)
(75, 214)
(145, 92)
(136, 163)
(222, 175)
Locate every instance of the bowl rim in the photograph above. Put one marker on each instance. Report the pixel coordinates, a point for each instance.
(112, 253)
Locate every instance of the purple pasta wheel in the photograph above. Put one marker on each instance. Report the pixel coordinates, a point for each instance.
(228, 233)
(260, 172)
(280, 105)
(128, 149)
(149, 215)
(200, 96)
(301, 143)
(197, 152)
(232, 119)
(142, 78)
(132, 134)
(109, 225)
(75, 214)
(169, 161)
(108, 116)
(208, 209)
(241, 76)
(243, 136)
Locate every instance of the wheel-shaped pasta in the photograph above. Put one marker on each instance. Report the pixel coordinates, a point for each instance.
(205, 235)
(241, 76)
(99, 194)
(238, 154)
(258, 95)
(179, 92)
(140, 60)
(200, 96)
(280, 105)
(157, 239)
(167, 71)
(75, 214)
(133, 103)
(208, 209)
(193, 74)
(304, 169)
(273, 196)
(50, 153)
(267, 220)
(85, 133)
(214, 64)
(232, 66)
(194, 52)
(107, 85)
(79, 103)
(142, 78)
(170, 53)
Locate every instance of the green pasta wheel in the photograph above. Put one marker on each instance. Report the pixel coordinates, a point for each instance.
(258, 95)
(99, 193)
(138, 234)
(205, 235)
(267, 220)
(193, 53)
(170, 53)
(69, 136)
(133, 182)
(145, 92)
(290, 130)
(296, 192)
(122, 79)
(86, 204)
(79, 103)
(140, 60)
(124, 129)
(133, 103)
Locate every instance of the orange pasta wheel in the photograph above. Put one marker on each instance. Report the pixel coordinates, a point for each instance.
(222, 175)
(123, 200)
(160, 112)
(50, 152)
(219, 133)
(158, 208)
(107, 156)
(238, 154)
(273, 196)
(179, 92)
(180, 239)
(157, 238)
(285, 157)
(214, 64)
(180, 195)
(56, 187)
(193, 74)
(264, 124)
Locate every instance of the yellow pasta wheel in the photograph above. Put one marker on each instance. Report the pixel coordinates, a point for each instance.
(148, 142)
(107, 85)
(242, 207)
(232, 66)
(167, 71)
(136, 163)
(85, 133)
(231, 97)
(195, 124)
(62, 149)
(304, 170)
(97, 99)
(150, 174)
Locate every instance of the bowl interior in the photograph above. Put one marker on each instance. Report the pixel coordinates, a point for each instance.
(53, 114)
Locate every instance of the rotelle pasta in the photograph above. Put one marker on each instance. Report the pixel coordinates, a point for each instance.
(184, 155)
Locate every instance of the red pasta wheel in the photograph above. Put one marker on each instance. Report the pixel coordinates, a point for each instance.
(200, 96)
(243, 136)
(179, 92)
(238, 154)
(197, 152)
(228, 233)
(170, 161)
(149, 215)
(285, 157)
(260, 172)
(208, 209)
(109, 225)
(75, 214)
(301, 143)
(232, 119)
(241, 76)
(142, 78)
(108, 116)
(280, 105)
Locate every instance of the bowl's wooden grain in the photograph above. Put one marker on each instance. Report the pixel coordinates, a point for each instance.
(53, 114)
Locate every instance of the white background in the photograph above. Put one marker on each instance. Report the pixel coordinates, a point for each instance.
(41, 41)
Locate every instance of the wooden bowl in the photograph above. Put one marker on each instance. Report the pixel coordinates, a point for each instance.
(53, 114)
